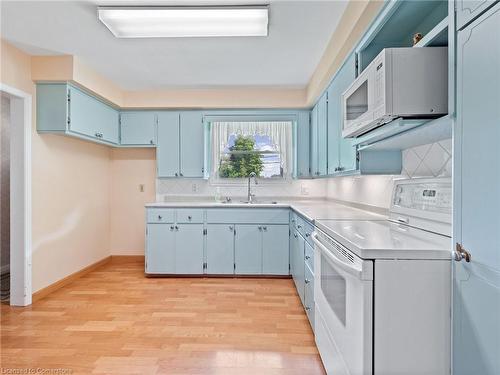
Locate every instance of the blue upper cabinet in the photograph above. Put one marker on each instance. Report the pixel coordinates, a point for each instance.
(319, 142)
(167, 151)
(138, 128)
(301, 145)
(180, 144)
(468, 10)
(322, 135)
(313, 149)
(63, 108)
(191, 144)
(91, 117)
(341, 151)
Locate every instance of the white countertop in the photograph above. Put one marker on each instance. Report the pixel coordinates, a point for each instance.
(312, 209)
(386, 240)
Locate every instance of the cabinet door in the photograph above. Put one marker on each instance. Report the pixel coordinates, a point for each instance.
(467, 10)
(275, 250)
(138, 128)
(302, 145)
(309, 293)
(220, 249)
(313, 150)
(192, 144)
(167, 151)
(91, 117)
(160, 249)
(248, 249)
(341, 153)
(322, 135)
(300, 267)
(476, 175)
(189, 249)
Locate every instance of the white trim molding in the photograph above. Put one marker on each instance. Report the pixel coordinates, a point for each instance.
(20, 195)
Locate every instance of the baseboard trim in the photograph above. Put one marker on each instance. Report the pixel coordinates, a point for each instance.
(127, 258)
(38, 295)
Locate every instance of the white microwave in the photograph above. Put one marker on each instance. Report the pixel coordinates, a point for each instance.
(399, 82)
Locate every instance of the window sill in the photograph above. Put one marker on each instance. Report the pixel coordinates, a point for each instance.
(238, 182)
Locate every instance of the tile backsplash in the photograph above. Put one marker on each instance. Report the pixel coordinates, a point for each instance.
(431, 160)
(203, 188)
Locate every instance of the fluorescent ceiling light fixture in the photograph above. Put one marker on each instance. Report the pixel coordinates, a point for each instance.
(174, 22)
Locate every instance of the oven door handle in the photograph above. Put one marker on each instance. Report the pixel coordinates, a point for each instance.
(350, 268)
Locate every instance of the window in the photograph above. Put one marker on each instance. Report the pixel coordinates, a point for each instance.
(242, 148)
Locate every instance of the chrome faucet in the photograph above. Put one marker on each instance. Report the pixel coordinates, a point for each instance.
(250, 195)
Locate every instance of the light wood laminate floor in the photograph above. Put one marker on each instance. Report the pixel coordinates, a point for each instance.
(116, 321)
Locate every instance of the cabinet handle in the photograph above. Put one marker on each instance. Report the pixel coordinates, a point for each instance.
(260, 228)
(308, 257)
(308, 234)
(159, 217)
(265, 229)
(189, 217)
(307, 281)
(176, 227)
(308, 308)
(180, 174)
(231, 228)
(151, 142)
(171, 227)
(176, 174)
(295, 235)
(299, 226)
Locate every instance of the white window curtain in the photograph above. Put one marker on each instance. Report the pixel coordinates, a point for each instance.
(279, 132)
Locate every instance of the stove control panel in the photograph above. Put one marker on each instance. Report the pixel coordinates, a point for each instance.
(433, 195)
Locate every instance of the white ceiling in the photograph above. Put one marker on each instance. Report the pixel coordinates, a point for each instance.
(298, 34)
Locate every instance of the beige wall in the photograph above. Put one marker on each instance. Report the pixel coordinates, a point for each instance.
(130, 168)
(70, 192)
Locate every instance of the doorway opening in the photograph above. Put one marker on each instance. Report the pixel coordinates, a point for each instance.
(15, 196)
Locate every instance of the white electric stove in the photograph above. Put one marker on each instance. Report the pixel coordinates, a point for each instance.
(383, 288)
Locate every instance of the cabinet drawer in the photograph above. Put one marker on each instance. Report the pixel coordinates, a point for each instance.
(308, 229)
(189, 216)
(160, 215)
(305, 228)
(248, 216)
(309, 295)
(309, 256)
(293, 220)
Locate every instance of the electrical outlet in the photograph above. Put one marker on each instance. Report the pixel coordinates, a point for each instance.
(304, 190)
(141, 188)
(194, 188)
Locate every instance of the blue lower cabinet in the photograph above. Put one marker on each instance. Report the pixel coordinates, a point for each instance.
(160, 249)
(298, 276)
(309, 293)
(248, 249)
(189, 249)
(275, 250)
(220, 249)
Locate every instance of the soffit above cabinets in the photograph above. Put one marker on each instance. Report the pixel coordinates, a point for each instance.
(298, 34)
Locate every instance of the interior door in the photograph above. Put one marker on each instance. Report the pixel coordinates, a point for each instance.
(476, 305)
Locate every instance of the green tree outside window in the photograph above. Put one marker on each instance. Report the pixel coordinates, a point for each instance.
(242, 160)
